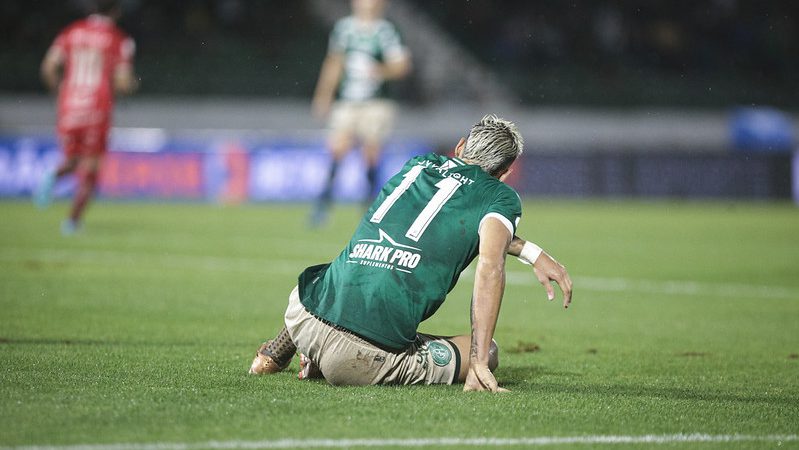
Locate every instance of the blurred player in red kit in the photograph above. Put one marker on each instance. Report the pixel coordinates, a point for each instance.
(89, 62)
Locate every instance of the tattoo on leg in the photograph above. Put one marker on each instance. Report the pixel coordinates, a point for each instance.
(281, 349)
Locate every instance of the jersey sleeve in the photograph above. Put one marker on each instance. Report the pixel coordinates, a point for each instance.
(390, 42)
(60, 43)
(338, 38)
(506, 206)
(126, 51)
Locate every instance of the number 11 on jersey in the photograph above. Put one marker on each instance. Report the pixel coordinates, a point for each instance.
(446, 189)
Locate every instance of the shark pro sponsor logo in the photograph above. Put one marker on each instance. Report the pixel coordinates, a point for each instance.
(385, 253)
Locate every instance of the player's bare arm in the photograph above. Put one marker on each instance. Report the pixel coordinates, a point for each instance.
(395, 69)
(125, 82)
(489, 285)
(546, 269)
(329, 77)
(51, 68)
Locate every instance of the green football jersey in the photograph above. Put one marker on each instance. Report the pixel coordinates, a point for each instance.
(364, 45)
(409, 249)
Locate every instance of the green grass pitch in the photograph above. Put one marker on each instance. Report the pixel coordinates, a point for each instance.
(141, 329)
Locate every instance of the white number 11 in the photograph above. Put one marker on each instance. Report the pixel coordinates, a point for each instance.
(446, 188)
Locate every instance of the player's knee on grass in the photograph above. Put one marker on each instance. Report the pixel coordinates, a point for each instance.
(493, 355)
(463, 344)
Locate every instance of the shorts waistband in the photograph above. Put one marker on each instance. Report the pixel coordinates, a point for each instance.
(338, 327)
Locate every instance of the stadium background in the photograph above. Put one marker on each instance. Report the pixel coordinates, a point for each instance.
(664, 99)
(658, 167)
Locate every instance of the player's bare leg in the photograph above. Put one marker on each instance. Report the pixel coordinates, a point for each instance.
(308, 369)
(67, 166)
(88, 170)
(43, 194)
(274, 355)
(464, 344)
(340, 144)
(371, 154)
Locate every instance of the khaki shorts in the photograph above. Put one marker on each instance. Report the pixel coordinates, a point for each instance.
(369, 120)
(346, 359)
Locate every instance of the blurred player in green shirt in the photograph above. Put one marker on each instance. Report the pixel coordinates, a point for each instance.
(365, 51)
(354, 320)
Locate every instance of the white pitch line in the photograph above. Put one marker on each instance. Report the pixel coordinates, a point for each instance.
(428, 442)
(294, 267)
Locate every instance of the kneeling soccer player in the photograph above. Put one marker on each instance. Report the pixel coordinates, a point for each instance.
(354, 320)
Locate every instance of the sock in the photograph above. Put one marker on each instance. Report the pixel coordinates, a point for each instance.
(327, 193)
(371, 177)
(281, 349)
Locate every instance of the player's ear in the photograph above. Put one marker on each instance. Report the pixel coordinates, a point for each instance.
(459, 148)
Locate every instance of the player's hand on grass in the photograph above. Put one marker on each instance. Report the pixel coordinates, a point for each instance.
(548, 270)
(480, 378)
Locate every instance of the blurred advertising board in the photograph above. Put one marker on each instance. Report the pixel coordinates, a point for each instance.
(762, 130)
(216, 167)
(795, 187)
(149, 164)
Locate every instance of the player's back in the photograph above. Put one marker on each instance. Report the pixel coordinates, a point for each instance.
(92, 49)
(409, 249)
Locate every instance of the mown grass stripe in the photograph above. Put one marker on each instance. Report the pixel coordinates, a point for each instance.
(290, 267)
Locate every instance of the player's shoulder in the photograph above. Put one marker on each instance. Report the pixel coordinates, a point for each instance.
(500, 186)
(494, 189)
(385, 25)
(426, 159)
(66, 34)
(79, 24)
(344, 24)
(507, 191)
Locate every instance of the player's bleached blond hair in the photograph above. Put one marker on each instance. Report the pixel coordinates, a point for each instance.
(493, 144)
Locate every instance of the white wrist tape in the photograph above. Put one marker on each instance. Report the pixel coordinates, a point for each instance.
(529, 253)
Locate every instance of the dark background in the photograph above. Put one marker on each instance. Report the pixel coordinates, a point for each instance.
(705, 53)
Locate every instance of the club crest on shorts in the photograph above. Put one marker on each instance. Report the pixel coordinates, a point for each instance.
(440, 353)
